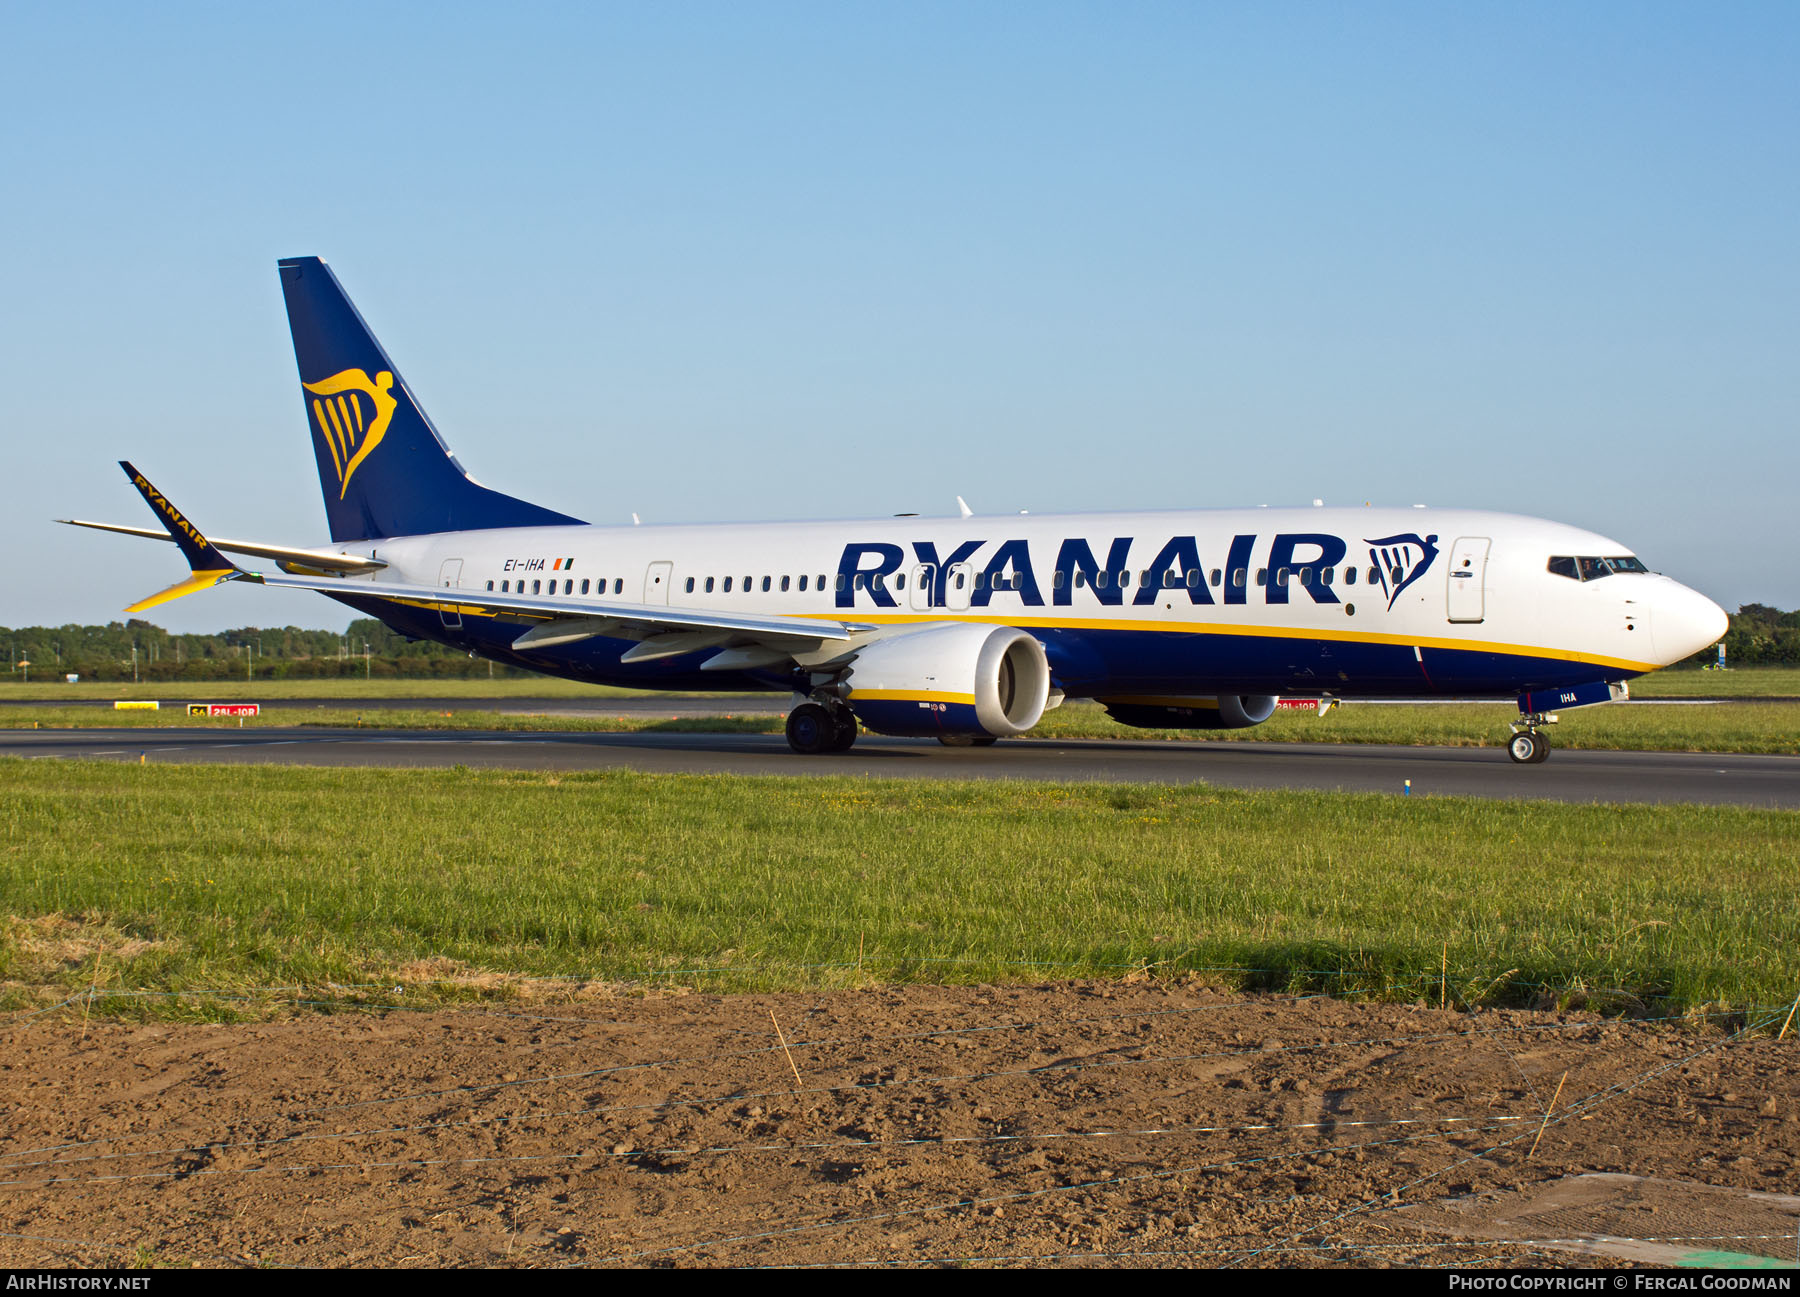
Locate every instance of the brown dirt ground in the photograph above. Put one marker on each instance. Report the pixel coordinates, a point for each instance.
(1149, 1124)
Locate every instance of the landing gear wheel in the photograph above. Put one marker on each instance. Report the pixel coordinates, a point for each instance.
(845, 720)
(967, 740)
(1528, 747)
(811, 729)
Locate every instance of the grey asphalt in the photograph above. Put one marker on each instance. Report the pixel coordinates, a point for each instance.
(766, 704)
(1568, 776)
(772, 704)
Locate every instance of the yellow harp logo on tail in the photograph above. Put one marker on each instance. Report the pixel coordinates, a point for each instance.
(353, 413)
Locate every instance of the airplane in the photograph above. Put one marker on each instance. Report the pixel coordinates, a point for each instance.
(964, 629)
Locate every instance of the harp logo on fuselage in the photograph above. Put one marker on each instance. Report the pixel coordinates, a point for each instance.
(351, 412)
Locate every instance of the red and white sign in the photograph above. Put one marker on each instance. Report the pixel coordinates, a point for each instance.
(224, 709)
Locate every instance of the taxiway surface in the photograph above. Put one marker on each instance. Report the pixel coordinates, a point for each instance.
(1569, 776)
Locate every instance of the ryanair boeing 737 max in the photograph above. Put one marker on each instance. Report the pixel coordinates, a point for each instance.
(964, 629)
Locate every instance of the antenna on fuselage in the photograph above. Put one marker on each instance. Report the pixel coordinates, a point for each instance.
(963, 506)
(636, 521)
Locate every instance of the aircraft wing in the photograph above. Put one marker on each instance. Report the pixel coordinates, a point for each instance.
(661, 631)
(290, 558)
(742, 642)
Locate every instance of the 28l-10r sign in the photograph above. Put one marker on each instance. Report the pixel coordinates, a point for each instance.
(224, 709)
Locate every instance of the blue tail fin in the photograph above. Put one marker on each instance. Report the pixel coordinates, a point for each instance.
(383, 467)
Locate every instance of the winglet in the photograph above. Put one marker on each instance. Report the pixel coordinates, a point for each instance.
(209, 566)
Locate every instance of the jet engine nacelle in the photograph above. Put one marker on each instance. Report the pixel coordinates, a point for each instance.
(1220, 712)
(951, 679)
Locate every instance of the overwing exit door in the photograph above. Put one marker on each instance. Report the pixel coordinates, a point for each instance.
(450, 575)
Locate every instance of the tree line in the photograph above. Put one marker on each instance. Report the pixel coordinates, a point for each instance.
(1759, 636)
(138, 650)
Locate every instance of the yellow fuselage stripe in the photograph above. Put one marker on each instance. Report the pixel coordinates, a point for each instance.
(1266, 632)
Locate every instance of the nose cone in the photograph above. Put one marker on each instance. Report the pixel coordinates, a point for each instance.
(1684, 621)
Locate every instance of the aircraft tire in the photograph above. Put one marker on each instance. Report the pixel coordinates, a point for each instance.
(845, 737)
(1527, 747)
(967, 740)
(811, 729)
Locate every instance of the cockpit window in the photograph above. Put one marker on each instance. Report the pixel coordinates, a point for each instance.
(1591, 567)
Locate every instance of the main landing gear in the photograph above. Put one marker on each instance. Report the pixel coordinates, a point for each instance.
(1529, 745)
(817, 727)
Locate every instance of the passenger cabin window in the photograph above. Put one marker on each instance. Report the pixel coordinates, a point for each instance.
(690, 585)
(727, 585)
(618, 585)
(490, 585)
(1218, 574)
(709, 585)
(803, 584)
(584, 585)
(784, 584)
(1262, 576)
(765, 585)
(1237, 577)
(569, 587)
(1349, 576)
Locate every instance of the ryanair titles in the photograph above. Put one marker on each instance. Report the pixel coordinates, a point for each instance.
(973, 572)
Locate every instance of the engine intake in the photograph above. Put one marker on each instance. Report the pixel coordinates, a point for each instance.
(951, 679)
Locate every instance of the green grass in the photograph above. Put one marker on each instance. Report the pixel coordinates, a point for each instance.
(1715, 727)
(1739, 682)
(456, 883)
(240, 690)
(1723, 727)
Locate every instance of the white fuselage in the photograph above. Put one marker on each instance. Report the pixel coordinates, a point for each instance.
(1345, 602)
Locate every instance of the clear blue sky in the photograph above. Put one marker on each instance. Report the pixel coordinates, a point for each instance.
(786, 261)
